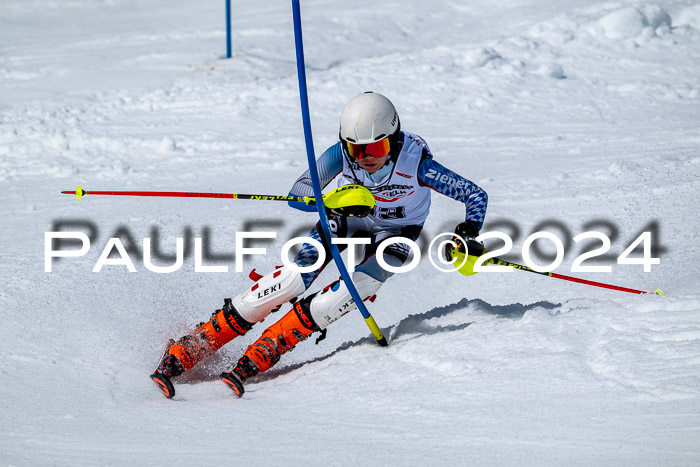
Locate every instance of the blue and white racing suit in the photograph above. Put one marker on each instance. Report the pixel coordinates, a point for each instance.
(402, 191)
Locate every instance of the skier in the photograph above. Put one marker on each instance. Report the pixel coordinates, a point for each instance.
(399, 170)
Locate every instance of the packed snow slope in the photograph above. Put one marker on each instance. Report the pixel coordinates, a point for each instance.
(573, 116)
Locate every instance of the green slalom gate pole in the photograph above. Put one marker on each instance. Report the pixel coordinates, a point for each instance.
(313, 172)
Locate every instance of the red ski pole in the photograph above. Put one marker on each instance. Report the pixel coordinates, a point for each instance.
(79, 193)
(572, 279)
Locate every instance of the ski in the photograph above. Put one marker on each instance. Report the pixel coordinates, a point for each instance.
(162, 381)
(164, 384)
(233, 383)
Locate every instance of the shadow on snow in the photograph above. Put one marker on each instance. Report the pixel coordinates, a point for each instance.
(418, 324)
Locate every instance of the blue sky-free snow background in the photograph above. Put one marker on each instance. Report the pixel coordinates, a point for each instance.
(574, 116)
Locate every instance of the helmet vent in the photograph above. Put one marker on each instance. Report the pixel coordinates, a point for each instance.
(352, 140)
(382, 136)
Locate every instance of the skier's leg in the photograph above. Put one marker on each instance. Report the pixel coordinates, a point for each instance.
(313, 313)
(235, 319)
(335, 300)
(318, 311)
(239, 315)
(276, 340)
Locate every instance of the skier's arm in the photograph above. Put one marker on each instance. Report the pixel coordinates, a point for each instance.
(441, 179)
(329, 165)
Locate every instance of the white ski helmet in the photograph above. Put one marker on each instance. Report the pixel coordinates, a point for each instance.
(367, 118)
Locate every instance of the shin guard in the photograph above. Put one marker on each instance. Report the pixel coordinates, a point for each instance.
(224, 325)
(269, 293)
(335, 300)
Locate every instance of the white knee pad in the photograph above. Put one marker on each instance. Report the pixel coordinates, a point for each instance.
(329, 305)
(269, 292)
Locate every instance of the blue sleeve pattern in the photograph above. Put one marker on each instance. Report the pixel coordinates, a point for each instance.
(449, 183)
(329, 165)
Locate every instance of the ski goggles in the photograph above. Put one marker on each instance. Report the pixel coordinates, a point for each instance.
(377, 149)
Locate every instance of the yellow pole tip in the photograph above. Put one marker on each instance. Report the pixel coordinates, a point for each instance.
(658, 292)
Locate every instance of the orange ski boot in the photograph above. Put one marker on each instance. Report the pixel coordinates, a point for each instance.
(224, 326)
(275, 341)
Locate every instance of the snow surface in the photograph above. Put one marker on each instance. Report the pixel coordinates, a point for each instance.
(584, 114)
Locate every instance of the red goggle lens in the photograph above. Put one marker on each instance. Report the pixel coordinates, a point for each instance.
(377, 149)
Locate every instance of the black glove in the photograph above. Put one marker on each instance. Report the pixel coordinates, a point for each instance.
(338, 225)
(468, 230)
(353, 211)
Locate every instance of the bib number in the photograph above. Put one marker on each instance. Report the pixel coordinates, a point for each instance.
(391, 213)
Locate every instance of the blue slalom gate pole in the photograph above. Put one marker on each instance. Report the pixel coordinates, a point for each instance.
(228, 28)
(313, 172)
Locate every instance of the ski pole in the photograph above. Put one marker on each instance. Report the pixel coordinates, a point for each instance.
(79, 193)
(501, 262)
(315, 182)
